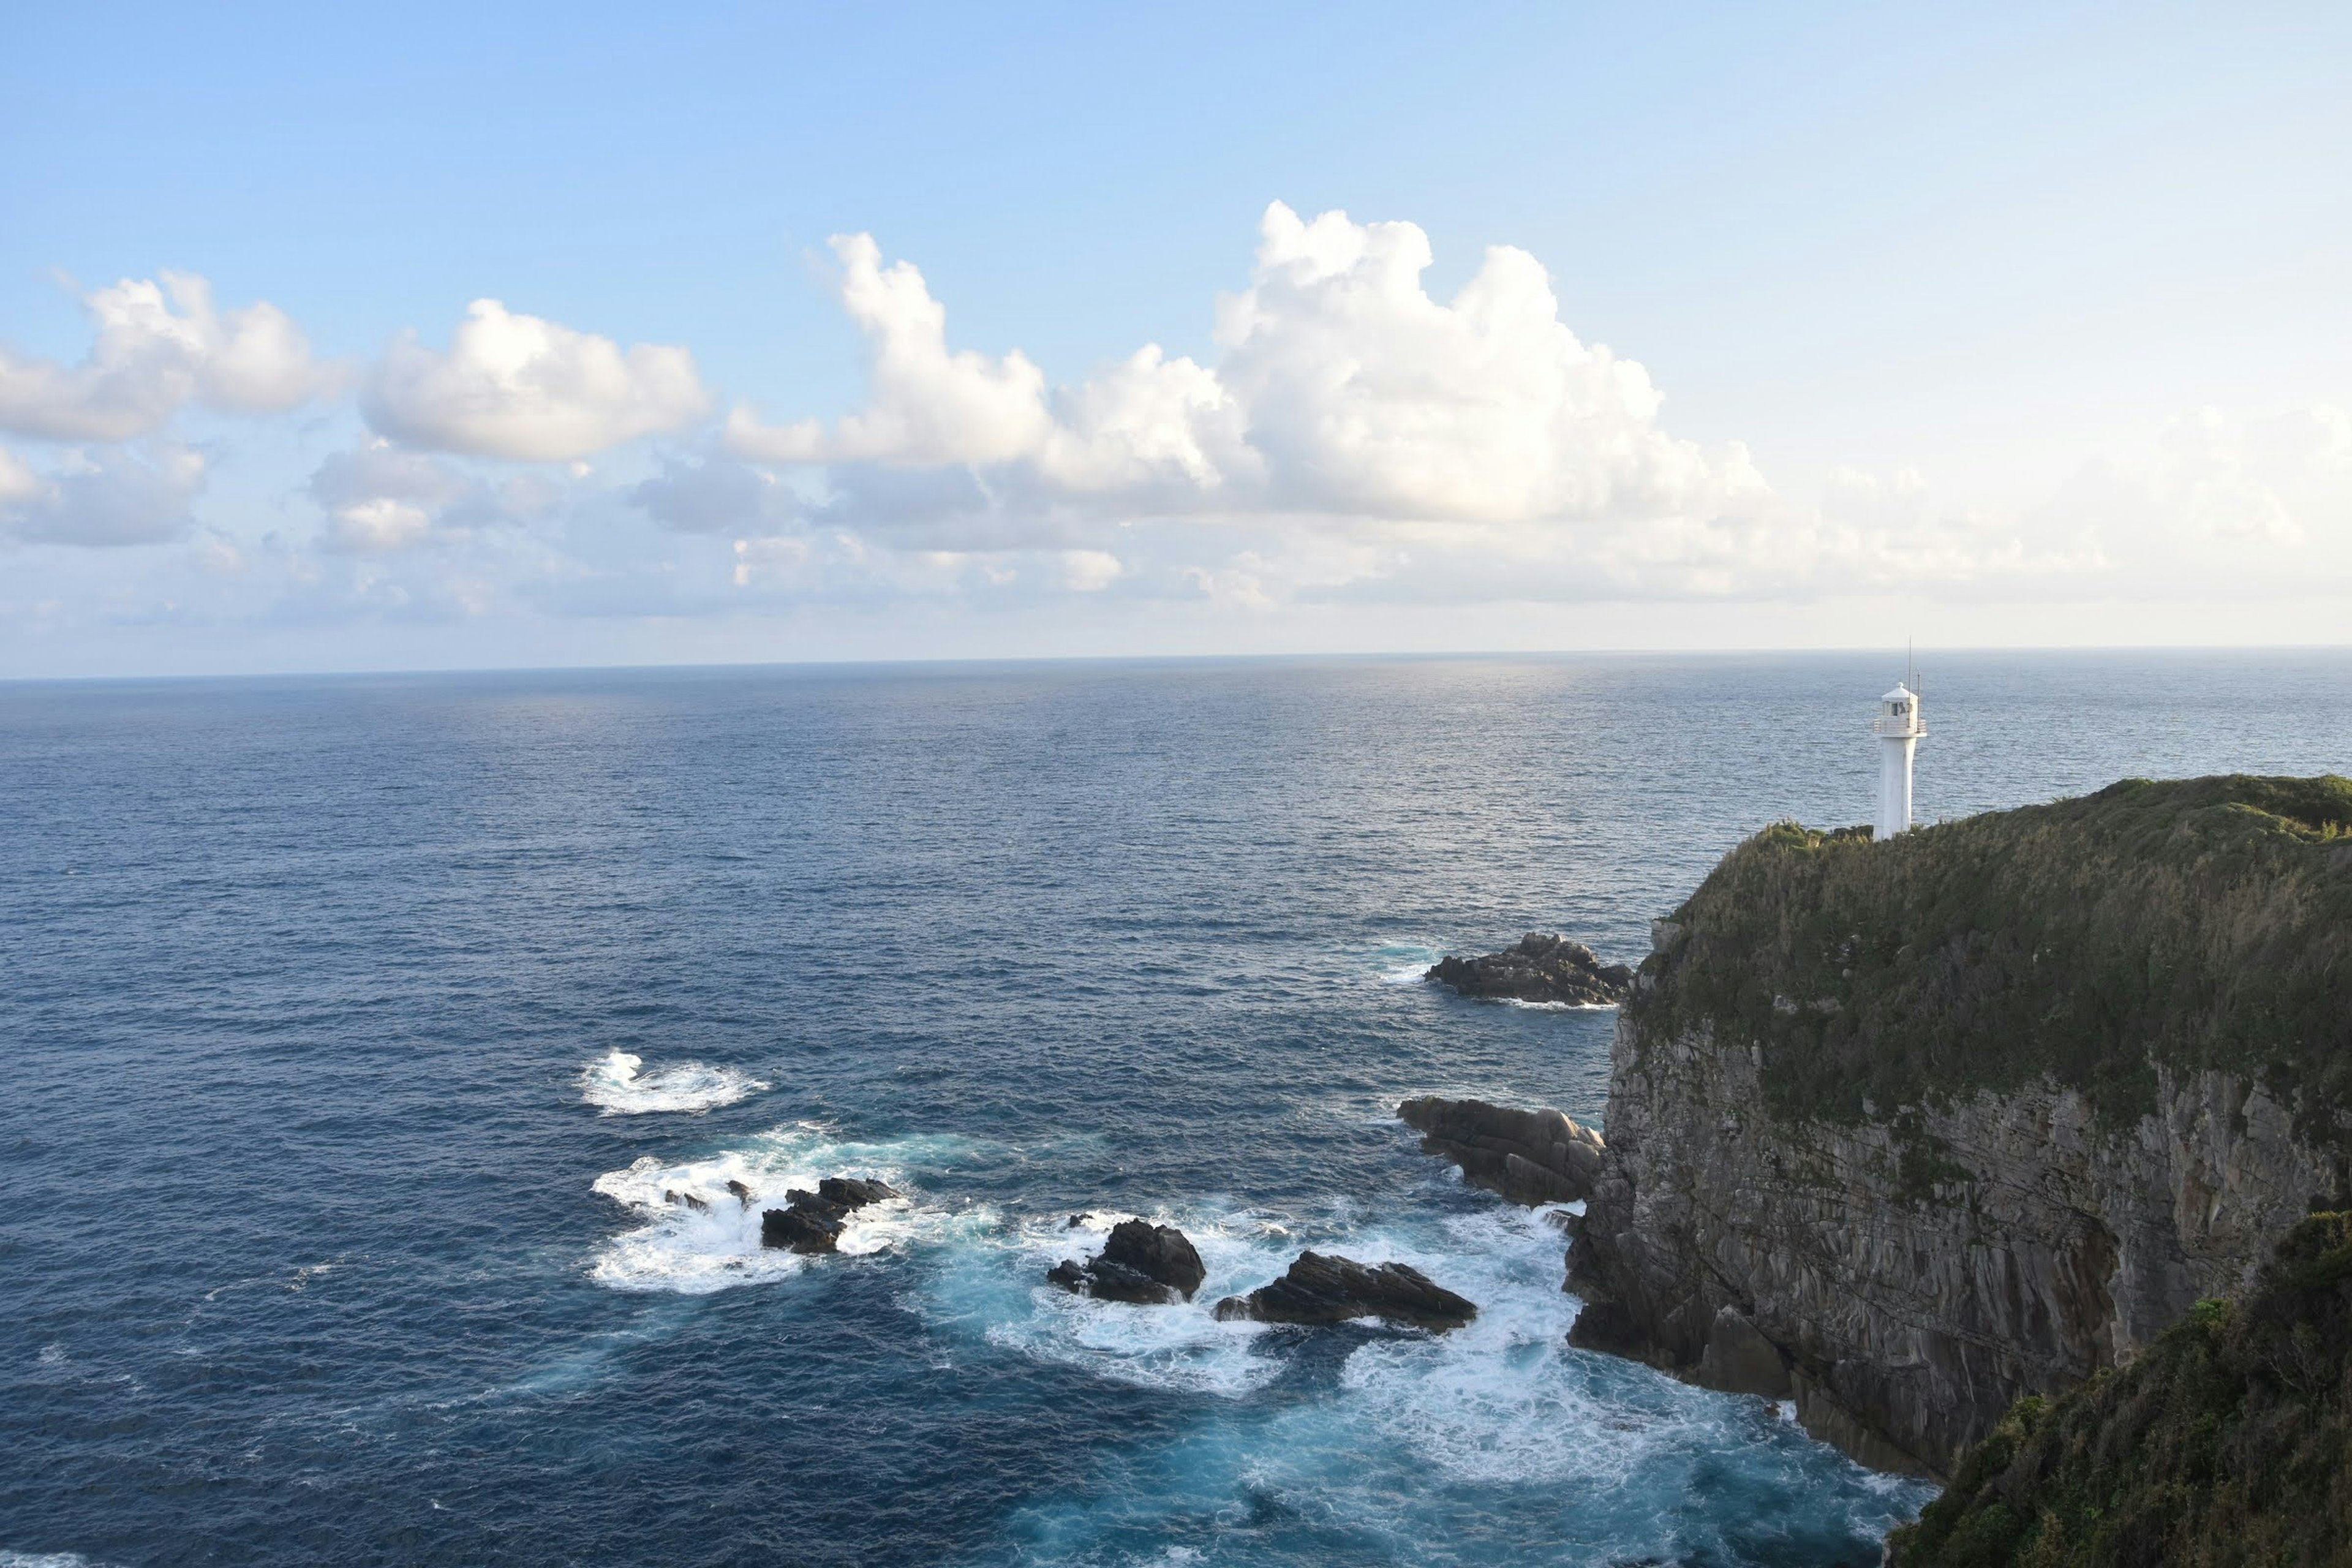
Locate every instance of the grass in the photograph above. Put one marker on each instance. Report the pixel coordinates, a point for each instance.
(2190, 924)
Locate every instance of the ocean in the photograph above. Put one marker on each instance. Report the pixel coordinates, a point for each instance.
(356, 1028)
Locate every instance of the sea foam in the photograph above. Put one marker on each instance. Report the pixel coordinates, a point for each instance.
(1180, 1345)
(699, 1234)
(620, 1086)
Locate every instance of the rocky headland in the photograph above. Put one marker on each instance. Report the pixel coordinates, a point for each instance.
(1906, 1131)
(1543, 968)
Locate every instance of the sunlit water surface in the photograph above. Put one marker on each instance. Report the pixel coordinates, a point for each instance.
(358, 1028)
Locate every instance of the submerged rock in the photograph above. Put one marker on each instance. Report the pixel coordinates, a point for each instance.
(1142, 1263)
(1544, 967)
(813, 1222)
(1529, 1156)
(1321, 1288)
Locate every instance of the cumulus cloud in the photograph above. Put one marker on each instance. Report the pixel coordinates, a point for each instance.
(1342, 388)
(160, 345)
(519, 387)
(112, 496)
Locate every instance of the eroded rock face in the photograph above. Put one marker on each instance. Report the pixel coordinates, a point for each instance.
(813, 1222)
(1543, 967)
(1142, 1263)
(1324, 1288)
(1529, 1156)
(1905, 1278)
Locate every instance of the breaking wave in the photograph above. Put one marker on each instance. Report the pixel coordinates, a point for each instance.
(699, 1228)
(620, 1086)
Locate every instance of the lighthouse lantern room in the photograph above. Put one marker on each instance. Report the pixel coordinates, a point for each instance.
(1898, 727)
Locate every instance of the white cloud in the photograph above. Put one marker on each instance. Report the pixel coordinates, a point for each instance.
(1089, 571)
(929, 406)
(1342, 388)
(18, 482)
(112, 496)
(518, 386)
(159, 346)
(380, 499)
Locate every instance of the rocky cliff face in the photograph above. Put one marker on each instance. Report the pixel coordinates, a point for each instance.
(1905, 1270)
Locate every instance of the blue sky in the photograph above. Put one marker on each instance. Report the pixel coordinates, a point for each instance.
(2029, 326)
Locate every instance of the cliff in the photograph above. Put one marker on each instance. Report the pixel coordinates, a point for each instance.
(1906, 1131)
(2225, 1442)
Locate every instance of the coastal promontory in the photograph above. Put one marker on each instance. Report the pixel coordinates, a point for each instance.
(1904, 1132)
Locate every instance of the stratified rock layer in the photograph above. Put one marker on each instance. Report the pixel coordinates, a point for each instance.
(1323, 1289)
(1543, 967)
(1529, 1156)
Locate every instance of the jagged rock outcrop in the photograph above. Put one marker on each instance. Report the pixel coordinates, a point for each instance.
(1904, 1132)
(1142, 1263)
(1323, 1289)
(813, 1222)
(1529, 1156)
(1543, 967)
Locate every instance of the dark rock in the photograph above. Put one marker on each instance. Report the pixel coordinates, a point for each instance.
(1323, 1289)
(1529, 1156)
(740, 1192)
(1142, 1263)
(1159, 1252)
(1544, 967)
(813, 1226)
(811, 1221)
(697, 1205)
(850, 1193)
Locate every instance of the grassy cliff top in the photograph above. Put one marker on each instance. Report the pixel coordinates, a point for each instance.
(2226, 1441)
(2194, 923)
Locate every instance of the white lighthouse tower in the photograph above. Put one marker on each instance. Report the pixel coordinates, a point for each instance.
(1898, 727)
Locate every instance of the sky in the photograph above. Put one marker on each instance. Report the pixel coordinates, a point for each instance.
(437, 337)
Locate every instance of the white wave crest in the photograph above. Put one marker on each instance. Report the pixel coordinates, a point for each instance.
(1405, 963)
(621, 1087)
(701, 1218)
(998, 1288)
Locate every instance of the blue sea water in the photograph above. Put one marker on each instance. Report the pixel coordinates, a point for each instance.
(356, 1028)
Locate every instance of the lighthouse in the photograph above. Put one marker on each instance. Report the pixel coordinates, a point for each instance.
(1898, 727)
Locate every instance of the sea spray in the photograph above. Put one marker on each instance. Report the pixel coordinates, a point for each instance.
(619, 1085)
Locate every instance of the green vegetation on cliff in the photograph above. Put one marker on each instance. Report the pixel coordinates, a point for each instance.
(2197, 923)
(2227, 1441)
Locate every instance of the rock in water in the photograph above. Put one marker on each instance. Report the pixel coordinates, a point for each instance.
(811, 1221)
(1323, 1289)
(1544, 967)
(1145, 1264)
(1529, 1156)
